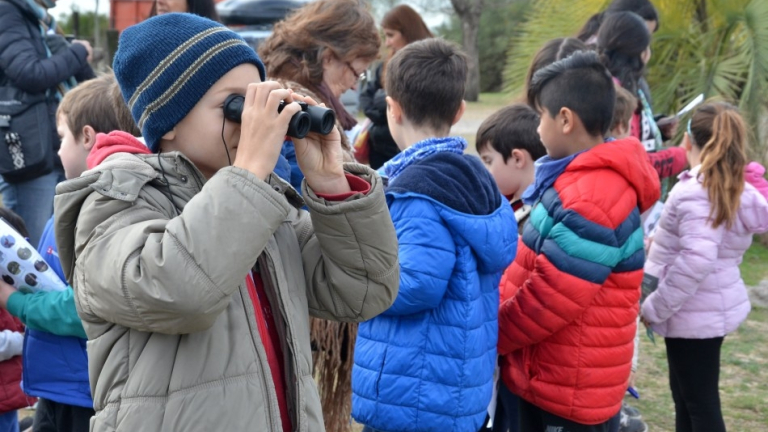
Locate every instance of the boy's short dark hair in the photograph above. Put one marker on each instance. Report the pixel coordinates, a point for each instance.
(581, 83)
(512, 127)
(626, 105)
(14, 220)
(427, 78)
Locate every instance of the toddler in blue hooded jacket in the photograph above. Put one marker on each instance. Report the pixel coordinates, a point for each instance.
(427, 363)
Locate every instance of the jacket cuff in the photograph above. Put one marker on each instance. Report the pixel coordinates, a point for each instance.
(647, 310)
(358, 200)
(80, 52)
(357, 185)
(15, 304)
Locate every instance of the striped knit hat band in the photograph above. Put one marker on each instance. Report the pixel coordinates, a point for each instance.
(166, 64)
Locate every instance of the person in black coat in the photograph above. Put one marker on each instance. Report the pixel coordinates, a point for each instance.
(36, 60)
(402, 25)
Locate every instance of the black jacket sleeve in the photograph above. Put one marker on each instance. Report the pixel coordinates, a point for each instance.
(373, 99)
(21, 62)
(57, 44)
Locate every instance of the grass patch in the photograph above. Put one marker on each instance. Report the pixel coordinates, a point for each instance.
(754, 268)
(743, 379)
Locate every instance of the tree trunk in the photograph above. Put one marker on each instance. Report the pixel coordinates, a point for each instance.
(469, 12)
(96, 27)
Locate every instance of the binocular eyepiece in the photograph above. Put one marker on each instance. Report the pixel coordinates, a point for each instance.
(311, 118)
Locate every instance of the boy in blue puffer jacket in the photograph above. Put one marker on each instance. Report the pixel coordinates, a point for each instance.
(427, 363)
(55, 360)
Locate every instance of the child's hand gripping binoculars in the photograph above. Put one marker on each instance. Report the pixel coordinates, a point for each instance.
(311, 118)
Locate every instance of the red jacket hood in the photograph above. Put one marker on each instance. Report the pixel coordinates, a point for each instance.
(628, 158)
(114, 142)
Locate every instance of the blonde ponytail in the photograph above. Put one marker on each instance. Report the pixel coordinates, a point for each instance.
(722, 131)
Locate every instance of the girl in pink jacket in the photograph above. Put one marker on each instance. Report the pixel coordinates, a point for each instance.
(707, 225)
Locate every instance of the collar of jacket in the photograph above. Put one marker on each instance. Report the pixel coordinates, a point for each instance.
(691, 173)
(122, 175)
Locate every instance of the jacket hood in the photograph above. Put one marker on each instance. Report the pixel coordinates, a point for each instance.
(111, 143)
(628, 158)
(468, 201)
(119, 176)
(754, 174)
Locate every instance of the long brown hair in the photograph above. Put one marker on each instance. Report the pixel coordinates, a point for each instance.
(297, 46)
(552, 51)
(408, 22)
(719, 132)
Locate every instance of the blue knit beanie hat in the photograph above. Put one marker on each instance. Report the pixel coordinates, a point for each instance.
(166, 64)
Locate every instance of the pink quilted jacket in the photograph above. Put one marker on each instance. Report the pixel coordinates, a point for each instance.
(700, 293)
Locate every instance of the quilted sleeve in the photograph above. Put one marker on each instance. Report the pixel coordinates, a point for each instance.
(427, 256)
(699, 245)
(571, 256)
(20, 61)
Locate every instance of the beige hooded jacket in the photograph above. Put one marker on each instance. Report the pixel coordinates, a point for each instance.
(158, 258)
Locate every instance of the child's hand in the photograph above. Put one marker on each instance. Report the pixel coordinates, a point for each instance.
(320, 159)
(645, 322)
(263, 129)
(668, 127)
(5, 291)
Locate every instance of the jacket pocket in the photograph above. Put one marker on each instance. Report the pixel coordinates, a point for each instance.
(381, 371)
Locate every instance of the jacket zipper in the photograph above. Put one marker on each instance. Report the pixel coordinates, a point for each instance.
(261, 353)
(287, 342)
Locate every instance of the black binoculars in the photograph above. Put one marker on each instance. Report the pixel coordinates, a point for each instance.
(311, 118)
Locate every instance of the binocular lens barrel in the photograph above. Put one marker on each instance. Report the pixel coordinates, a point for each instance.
(300, 123)
(310, 119)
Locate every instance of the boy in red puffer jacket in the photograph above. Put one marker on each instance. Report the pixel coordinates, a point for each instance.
(567, 332)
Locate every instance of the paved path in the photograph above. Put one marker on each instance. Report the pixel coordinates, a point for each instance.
(759, 294)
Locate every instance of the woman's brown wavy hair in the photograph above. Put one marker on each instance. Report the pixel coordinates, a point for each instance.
(408, 22)
(297, 47)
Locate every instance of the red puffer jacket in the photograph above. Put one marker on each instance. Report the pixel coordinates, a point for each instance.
(11, 396)
(567, 324)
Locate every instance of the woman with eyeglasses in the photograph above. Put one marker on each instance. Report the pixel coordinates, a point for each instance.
(321, 51)
(402, 25)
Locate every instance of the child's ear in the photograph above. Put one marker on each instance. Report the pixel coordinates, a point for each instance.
(460, 112)
(89, 137)
(566, 120)
(687, 144)
(394, 110)
(327, 57)
(518, 158)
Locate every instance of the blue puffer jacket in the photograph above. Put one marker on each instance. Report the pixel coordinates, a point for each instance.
(427, 363)
(55, 367)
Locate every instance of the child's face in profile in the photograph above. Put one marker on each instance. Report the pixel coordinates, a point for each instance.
(551, 132)
(73, 151)
(512, 175)
(199, 135)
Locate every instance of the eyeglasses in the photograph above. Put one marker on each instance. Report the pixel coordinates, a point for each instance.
(360, 76)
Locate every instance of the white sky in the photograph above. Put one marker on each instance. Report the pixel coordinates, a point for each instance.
(65, 6)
